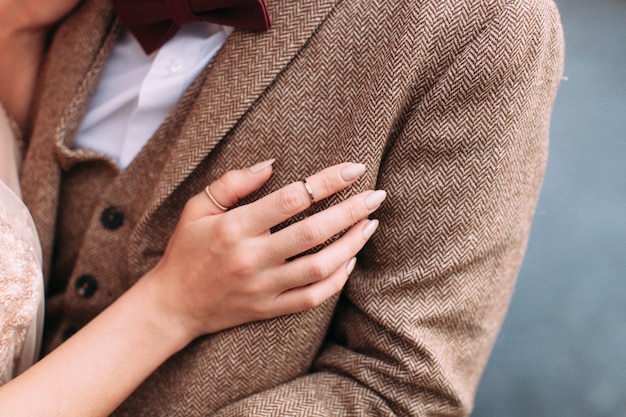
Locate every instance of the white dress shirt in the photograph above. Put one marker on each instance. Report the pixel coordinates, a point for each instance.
(137, 91)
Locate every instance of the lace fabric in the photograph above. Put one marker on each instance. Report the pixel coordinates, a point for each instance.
(21, 287)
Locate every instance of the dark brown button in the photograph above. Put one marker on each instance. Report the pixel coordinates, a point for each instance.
(86, 286)
(112, 218)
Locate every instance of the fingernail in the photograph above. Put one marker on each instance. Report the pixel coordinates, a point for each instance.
(352, 172)
(370, 228)
(350, 266)
(373, 201)
(255, 169)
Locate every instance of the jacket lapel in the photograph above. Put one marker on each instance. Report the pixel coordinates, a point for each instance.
(67, 77)
(244, 67)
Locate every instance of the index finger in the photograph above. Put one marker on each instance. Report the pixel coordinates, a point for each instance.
(296, 197)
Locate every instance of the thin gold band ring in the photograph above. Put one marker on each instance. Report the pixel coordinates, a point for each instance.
(213, 200)
(309, 190)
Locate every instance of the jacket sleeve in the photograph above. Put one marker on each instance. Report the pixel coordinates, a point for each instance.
(420, 313)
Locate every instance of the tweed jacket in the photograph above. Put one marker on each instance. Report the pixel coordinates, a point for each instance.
(448, 105)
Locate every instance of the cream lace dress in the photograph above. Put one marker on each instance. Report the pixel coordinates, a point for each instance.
(21, 283)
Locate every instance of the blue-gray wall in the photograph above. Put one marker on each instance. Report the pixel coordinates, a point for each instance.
(562, 349)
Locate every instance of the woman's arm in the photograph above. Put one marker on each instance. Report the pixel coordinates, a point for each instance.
(96, 369)
(220, 269)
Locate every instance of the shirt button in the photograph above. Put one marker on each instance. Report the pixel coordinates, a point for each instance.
(112, 218)
(174, 65)
(86, 286)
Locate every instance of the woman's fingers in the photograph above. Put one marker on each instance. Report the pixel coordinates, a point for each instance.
(320, 227)
(296, 197)
(308, 285)
(305, 298)
(317, 267)
(238, 272)
(228, 189)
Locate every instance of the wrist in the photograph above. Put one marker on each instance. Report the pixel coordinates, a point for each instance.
(161, 315)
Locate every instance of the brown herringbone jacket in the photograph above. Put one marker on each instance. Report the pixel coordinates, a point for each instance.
(447, 103)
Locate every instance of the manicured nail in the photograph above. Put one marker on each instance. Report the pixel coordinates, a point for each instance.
(255, 169)
(350, 266)
(373, 201)
(370, 228)
(352, 172)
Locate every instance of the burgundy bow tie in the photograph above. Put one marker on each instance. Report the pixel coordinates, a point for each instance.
(154, 22)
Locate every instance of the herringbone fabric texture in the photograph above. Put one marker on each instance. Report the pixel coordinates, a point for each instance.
(446, 102)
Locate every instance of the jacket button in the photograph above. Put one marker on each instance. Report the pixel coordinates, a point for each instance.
(86, 286)
(112, 218)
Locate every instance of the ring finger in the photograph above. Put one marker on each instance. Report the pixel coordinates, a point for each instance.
(295, 197)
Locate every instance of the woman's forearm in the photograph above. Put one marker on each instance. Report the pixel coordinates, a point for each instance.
(98, 367)
(202, 286)
(94, 371)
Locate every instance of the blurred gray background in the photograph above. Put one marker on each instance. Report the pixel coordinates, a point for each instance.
(562, 349)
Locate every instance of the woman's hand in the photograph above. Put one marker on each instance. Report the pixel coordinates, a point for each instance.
(221, 269)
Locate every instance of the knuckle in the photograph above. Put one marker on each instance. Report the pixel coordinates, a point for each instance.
(251, 311)
(336, 285)
(228, 232)
(316, 272)
(193, 205)
(354, 246)
(354, 241)
(289, 202)
(260, 310)
(310, 234)
(312, 300)
(244, 264)
(328, 184)
(355, 213)
(228, 179)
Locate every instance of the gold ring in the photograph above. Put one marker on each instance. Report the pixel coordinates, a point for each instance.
(308, 190)
(213, 200)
